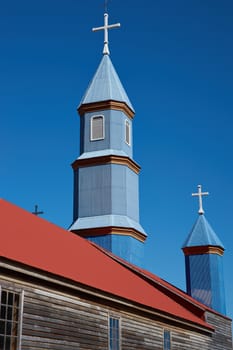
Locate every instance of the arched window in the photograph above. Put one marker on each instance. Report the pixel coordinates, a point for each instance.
(127, 132)
(97, 128)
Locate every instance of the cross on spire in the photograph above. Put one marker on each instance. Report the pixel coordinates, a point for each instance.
(200, 194)
(37, 212)
(105, 28)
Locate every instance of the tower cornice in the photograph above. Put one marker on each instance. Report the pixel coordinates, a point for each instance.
(106, 105)
(111, 230)
(110, 159)
(200, 250)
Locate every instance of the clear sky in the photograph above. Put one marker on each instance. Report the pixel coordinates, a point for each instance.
(175, 60)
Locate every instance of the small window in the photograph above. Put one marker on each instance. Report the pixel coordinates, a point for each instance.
(114, 333)
(166, 340)
(9, 320)
(127, 132)
(97, 128)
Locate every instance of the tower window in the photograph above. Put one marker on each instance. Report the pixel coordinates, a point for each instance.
(114, 333)
(127, 132)
(9, 320)
(166, 340)
(97, 128)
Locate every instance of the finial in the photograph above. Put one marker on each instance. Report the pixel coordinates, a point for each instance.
(200, 194)
(37, 212)
(105, 28)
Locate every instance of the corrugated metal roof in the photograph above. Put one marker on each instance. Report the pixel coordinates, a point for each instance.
(67, 255)
(202, 234)
(106, 85)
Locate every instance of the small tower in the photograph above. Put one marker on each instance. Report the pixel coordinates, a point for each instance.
(106, 199)
(203, 262)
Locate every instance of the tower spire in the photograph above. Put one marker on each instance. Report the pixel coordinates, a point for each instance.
(203, 252)
(200, 194)
(105, 28)
(106, 189)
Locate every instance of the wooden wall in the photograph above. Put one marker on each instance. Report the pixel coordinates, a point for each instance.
(222, 338)
(59, 320)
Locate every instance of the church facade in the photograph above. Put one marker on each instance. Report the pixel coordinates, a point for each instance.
(84, 288)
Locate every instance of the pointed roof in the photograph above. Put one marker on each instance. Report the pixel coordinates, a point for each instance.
(106, 85)
(202, 234)
(48, 248)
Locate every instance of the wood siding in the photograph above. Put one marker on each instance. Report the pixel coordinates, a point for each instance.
(58, 320)
(222, 338)
(52, 321)
(141, 333)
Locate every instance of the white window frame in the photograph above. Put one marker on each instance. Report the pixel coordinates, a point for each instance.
(114, 317)
(91, 127)
(127, 125)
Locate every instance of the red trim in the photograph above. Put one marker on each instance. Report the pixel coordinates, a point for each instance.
(203, 250)
(110, 159)
(103, 105)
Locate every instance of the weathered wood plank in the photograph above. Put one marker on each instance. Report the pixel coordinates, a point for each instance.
(55, 320)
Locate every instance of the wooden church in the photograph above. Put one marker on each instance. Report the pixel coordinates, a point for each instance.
(84, 288)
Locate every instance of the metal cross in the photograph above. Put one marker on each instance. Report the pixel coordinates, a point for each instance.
(36, 212)
(105, 28)
(200, 194)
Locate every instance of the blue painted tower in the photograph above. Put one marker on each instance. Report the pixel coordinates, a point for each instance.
(203, 262)
(106, 199)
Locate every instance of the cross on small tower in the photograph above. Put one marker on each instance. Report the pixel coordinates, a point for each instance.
(200, 194)
(105, 28)
(36, 212)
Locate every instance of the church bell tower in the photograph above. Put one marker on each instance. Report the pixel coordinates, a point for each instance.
(106, 199)
(203, 262)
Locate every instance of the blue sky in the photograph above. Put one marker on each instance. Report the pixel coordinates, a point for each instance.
(175, 60)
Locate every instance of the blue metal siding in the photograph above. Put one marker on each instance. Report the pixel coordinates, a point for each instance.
(125, 247)
(81, 141)
(94, 192)
(119, 205)
(205, 280)
(132, 194)
(200, 279)
(217, 280)
(106, 189)
(188, 275)
(76, 190)
(103, 241)
(128, 248)
(114, 124)
(117, 132)
(125, 199)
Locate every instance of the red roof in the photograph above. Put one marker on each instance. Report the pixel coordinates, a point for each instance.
(33, 241)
